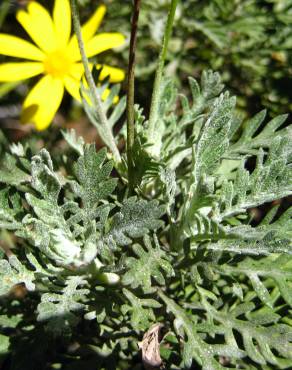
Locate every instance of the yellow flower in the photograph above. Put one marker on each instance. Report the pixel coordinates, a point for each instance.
(56, 56)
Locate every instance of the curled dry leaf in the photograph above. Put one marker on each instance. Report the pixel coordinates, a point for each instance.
(150, 347)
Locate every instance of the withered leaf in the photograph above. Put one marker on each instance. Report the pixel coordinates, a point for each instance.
(150, 347)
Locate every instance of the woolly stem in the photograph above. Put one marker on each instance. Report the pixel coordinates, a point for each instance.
(107, 132)
(159, 72)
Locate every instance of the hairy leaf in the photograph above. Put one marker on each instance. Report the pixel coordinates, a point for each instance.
(135, 219)
(149, 264)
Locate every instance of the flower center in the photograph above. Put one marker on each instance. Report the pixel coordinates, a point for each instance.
(57, 64)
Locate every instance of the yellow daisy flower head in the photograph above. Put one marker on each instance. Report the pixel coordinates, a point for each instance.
(55, 55)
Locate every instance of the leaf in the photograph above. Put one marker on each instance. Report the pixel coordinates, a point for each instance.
(60, 308)
(194, 347)
(75, 142)
(167, 178)
(10, 171)
(107, 104)
(10, 322)
(258, 341)
(4, 344)
(171, 139)
(213, 139)
(248, 141)
(10, 210)
(216, 32)
(94, 183)
(269, 181)
(48, 229)
(150, 347)
(167, 95)
(201, 228)
(44, 180)
(141, 318)
(149, 264)
(14, 272)
(135, 219)
(203, 96)
(278, 268)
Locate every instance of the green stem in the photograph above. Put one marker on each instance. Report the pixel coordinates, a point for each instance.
(4, 8)
(159, 72)
(110, 141)
(131, 92)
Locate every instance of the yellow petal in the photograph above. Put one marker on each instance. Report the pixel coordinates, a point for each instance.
(115, 74)
(91, 26)
(72, 86)
(16, 47)
(99, 43)
(62, 21)
(88, 29)
(102, 42)
(105, 95)
(77, 70)
(42, 102)
(19, 71)
(39, 25)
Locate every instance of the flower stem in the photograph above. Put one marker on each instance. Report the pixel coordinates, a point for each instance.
(131, 91)
(159, 72)
(110, 141)
(4, 9)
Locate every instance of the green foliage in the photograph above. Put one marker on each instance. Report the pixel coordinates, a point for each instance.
(10, 207)
(13, 272)
(270, 180)
(182, 250)
(89, 263)
(92, 174)
(277, 268)
(148, 264)
(248, 41)
(10, 173)
(112, 110)
(4, 344)
(141, 317)
(58, 308)
(135, 219)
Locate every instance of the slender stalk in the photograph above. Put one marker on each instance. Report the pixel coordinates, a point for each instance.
(4, 8)
(131, 90)
(95, 96)
(159, 72)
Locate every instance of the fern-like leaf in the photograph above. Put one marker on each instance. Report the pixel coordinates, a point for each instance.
(278, 268)
(269, 181)
(194, 347)
(140, 309)
(258, 340)
(94, 183)
(59, 308)
(135, 219)
(148, 265)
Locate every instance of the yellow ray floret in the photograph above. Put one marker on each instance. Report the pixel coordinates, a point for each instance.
(55, 55)
(39, 25)
(43, 101)
(20, 71)
(62, 22)
(16, 47)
